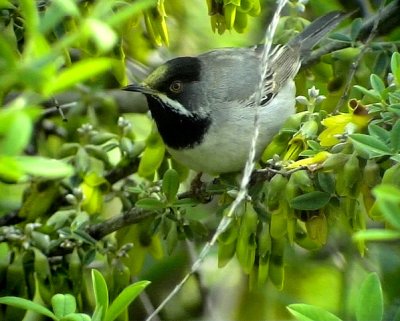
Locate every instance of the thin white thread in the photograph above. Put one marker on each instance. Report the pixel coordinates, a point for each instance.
(226, 220)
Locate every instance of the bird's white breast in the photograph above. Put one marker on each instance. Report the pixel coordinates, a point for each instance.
(226, 145)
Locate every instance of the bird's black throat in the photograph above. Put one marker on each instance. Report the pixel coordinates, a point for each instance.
(179, 131)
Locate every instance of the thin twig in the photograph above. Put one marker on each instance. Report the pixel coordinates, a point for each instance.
(356, 62)
(387, 21)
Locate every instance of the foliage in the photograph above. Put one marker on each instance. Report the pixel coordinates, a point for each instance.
(64, 305)
(100, 189)
(369, 304)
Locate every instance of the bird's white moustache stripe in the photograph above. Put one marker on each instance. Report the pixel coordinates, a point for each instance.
(174, 105)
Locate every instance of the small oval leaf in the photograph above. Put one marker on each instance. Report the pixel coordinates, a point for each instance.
(170, 184)
(370, 301)
(310, 201)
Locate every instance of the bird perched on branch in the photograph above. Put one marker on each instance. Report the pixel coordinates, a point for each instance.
(204, 106)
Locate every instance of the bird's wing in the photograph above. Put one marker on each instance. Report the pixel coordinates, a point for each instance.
(283, 65)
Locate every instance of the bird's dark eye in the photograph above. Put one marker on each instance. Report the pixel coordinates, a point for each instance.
(176, 86)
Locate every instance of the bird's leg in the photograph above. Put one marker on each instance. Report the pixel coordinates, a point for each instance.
(198, 189)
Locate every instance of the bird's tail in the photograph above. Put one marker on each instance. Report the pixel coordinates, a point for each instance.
(315, 31)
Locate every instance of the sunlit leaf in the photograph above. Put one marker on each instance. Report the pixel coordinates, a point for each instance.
(100, 293)
(63, 304)
(27, 305)
(104, 37)
(376, 235)
(128, 11)
(44, 167)
(125, 298)
(15, 130)
(306, 312)
(370, 300)
(77, 73)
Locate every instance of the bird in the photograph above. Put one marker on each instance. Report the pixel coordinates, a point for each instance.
(204, 106)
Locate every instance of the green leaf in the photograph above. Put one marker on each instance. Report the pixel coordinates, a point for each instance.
(355, 28)
(185, 202)
(63, 304)
(170, 184)
(310, 201)
(76, 317)
(326, 182)
(150, 204)
(15, 132)
(306, 312)
(380, 133)
(125, 298)
(56, 12)
(376, 235)
(44, 167)
(100, 293)
(396, 158)
(370, 93)
(103, 36)
(340, 37)
(153, 155)
(10, 171)
(369, 145)
(395, 66)
(77, 73)
(369, 304)
(31, 16)
(127, 12)
(377, 84)
(395, 137)
(388, 201)
(27, 305)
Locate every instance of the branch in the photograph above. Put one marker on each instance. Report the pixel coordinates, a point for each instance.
(388, 20)
(133, 216)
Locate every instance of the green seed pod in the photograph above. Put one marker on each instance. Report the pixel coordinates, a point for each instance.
(335, 161)
(240, 22)
(246, 242)
(264, 240)
(226, 251)
(317, 228)
(246, 5)
(302, 181)
(256, 9)
(229, 14)
(230, 234)
(276, 190)
(371, 173)
(276, 268)
(278, 228)
(352, 176)
(391, 175)
(276, 147)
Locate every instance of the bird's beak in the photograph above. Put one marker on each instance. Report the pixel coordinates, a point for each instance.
(140, 89)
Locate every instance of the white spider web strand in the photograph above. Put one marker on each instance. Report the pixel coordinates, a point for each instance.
(226, 220)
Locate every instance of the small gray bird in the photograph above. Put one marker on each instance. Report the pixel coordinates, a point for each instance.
(204, 106)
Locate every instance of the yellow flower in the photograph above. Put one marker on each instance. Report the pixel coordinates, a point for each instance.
(296, 145)
(357, 119)
(316, 159)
